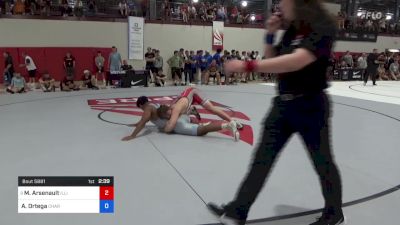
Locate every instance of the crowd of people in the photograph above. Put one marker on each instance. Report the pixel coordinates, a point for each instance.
(189, 67)
(385, 64)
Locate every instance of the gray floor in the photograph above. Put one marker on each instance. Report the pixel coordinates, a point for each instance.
(166, 179)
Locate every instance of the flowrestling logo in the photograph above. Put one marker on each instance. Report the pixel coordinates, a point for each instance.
(127, 106)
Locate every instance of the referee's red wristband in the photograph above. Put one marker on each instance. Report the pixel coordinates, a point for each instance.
(250, 66)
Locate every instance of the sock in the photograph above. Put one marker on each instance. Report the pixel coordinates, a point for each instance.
(225, 125)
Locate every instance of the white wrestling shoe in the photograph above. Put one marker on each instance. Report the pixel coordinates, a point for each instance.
(239, 125)
(234, 130)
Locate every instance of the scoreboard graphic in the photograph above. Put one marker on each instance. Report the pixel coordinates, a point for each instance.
(66, 195)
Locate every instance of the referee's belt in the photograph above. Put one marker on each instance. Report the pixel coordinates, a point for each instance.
(290, 97)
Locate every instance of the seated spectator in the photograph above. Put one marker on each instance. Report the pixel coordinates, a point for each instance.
(123, 8)
(369, 25)
(210, 14)
(160, 78)
(348, 58)
(30, 7)
(18, 84)
(125, 66)
(381, 69)
(214, 72)
(202, 12)
(89, 81)
(68, 84)
(221, 13)
(343, 65)
(132, 8)
(394, 73)
(47, 83)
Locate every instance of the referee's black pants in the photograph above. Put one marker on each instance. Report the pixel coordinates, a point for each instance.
(370, 73)
(310, 117)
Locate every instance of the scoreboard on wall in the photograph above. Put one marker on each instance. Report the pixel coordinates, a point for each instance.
(65, 194)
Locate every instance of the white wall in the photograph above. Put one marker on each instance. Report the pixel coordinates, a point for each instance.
(332, 8)
(167, 38)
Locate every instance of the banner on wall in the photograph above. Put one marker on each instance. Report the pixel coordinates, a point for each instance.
(218, 35)
(135, 32)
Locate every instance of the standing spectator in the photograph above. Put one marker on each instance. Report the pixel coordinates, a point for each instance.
(65, 8)
(210, 14)
(193, 62)
(369, 25)
(382, 25)
(192, 12)
(150, 58)
(394, 69)
(174, 63)
(78, 10)
(362, 63)
(166, 9)
(188, 68)
(8, 68)
(69, 65)
(372, 67)
(99, 62)
(221, 13)
(91, 8)
(123, 8)
(145, 6)
(158, 62)
(340, 19)
(31, 68)
(234, 14)
(47, 82)
(185, 12)
(348, 58)
(114, 60)
(89, 80)
(18, 84)
(202, 12)
(182, 63)
(245, 75)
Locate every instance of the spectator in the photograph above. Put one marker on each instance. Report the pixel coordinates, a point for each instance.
(158, 62)
(192, 12)
(203, 12)
(369, 25)
(65, 8)
(340, 19)
(382, 25)
(89, 81)
(69, 65)
(68, 84)
(372, 67)
(166, 9)
(19, 7)
(362, 63)
(188, 68)
(185, 12)
(125, 66)
(8, 68)
(31, 68)
(193, 65)
(145, 6)
(394, 69)
(18, 84)
(348, 58)
(174, 63)
(221, 13)
(91, 8)
(234, 14)
(214, 72)
(30, 7)
(210, 14)
(8, 7)
(47, 83)
(114, 60)
(160, 78)
(45, 6)
(381, 68)
(123, 8)
(150, 58)
(182, 63)
(78, 8)
(132, 8)
(99, 62)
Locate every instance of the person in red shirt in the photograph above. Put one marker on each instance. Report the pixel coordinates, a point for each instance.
(185, 12)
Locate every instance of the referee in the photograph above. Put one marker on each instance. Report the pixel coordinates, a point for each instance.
(302, 106)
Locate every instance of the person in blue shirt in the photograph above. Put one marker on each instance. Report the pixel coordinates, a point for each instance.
(217, 57)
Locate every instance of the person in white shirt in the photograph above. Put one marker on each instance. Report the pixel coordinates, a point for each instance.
(31, 67)
(362, 63)
(394, 73)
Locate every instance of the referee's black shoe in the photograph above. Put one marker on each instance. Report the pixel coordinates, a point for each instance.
(332, 220)
(223, 217)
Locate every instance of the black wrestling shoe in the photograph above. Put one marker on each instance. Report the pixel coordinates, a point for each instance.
(334, 220)
(221, 213)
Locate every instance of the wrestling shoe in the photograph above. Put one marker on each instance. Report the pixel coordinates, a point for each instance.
(223, 218)
(193, 111)
(239, 125)
(334, 220)
(234, 130)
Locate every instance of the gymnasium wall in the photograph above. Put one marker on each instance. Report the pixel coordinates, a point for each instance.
(89, 35)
